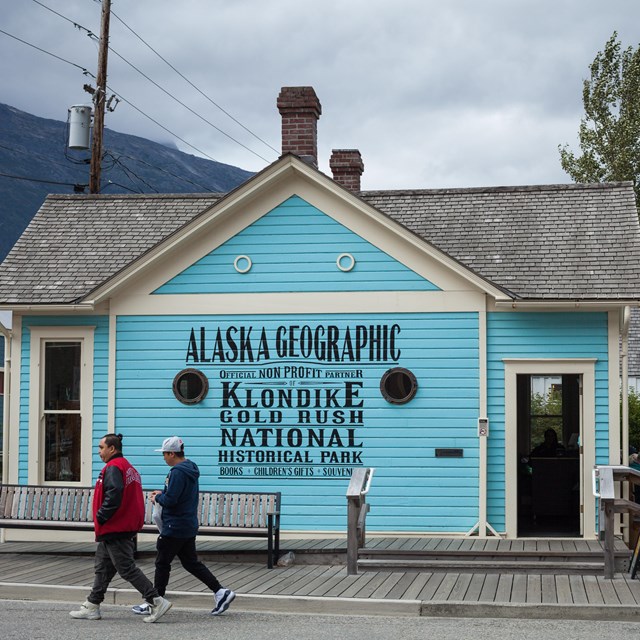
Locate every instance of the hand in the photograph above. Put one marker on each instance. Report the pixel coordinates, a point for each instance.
(153, 495)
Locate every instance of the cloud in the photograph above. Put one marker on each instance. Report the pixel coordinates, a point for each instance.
(463, 93)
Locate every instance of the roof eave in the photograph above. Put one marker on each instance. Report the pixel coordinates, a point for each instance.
(57, 307)
(568, 303)
(287, 165)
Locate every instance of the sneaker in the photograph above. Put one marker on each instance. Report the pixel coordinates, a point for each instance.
(224, 597)
(159, 607)
(87, 611)
(143, 609)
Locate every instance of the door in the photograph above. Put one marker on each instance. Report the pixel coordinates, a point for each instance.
(549, 436)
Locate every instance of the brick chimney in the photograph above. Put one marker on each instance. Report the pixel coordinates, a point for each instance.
(346, 166)
(300, 110)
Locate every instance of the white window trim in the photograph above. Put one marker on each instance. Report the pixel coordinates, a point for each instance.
(584, 367)
(40, 335)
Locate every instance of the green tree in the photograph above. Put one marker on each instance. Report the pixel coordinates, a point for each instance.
(634, 419)
(610, 129)
(546, 413)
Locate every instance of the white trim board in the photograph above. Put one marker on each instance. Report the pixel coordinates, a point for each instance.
(85, 335)
(584, 367)
(310, 302)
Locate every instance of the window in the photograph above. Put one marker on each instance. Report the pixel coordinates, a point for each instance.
(190, 386)
(398, 385)
(60, 405)
(1, 416)
(62, 418)
(545, 407)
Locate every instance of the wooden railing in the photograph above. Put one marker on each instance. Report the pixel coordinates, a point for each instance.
(604, 488)
(357, 509)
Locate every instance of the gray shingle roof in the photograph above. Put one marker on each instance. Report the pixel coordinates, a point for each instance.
(539, 242)
(553, 242)
(74, 243)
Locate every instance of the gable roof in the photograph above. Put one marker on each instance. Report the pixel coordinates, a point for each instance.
(555, 243)
(74, 243)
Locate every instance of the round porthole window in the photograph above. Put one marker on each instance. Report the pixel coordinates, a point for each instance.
(190, 386)
(345, 262)
(242, 264)
(398, 385)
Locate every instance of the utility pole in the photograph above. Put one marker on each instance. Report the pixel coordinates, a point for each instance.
(99, 100)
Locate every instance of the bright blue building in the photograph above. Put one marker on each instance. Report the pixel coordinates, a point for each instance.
(298, 327)
(2, 367)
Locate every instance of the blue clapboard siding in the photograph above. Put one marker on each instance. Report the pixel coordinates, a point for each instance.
(413, 490)
(540, 335)
(100, 380)
(294, 248)
(2, 346)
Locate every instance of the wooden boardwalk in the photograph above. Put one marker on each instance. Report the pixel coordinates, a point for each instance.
(332, 581)
(47, 564)
(339, 545)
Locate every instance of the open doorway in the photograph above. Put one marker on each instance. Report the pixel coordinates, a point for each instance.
(549, 449)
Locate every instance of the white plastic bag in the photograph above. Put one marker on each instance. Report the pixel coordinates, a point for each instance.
(156, 515)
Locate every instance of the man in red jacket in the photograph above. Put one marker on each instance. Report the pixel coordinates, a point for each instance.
(118, 515)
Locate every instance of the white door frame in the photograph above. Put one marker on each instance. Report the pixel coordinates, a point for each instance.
(584, 367)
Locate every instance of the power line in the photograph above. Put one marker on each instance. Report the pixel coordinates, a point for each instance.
(195, 113)
(53, 55)
(66, 184)
(75, 24)
(168, 93)
(175, 135)
(116, 184)
(171, 133)
(115, 160)
(170, 173)
(215, 104)
(130, 172)
(33, 153)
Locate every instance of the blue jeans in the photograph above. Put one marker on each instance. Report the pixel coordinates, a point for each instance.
(185, 548)
(116, 556)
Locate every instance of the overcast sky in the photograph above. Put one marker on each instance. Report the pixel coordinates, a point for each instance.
(447, 93)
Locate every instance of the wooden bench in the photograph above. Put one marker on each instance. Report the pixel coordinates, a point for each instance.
(70, 509)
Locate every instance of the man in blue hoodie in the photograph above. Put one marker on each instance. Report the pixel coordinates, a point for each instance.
(179, 502)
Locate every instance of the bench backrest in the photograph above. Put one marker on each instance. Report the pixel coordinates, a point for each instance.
(74, 504)
(243, 510)
(59, 504)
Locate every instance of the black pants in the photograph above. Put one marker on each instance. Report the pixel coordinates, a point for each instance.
(185, 548)
(116, 556)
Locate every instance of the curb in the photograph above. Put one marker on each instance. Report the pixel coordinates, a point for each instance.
(339, 606)
(243, 602)
(528, 610)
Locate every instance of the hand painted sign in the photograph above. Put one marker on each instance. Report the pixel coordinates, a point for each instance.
(291, 399)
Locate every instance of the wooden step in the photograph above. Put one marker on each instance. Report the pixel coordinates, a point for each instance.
(589, 561)
(481, 566)
(468, 554)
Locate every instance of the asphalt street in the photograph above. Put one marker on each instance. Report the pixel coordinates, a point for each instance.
(50, 620)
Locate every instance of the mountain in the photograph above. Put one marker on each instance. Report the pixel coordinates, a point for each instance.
(35, 149)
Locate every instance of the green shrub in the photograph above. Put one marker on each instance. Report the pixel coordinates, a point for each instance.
(634, 419)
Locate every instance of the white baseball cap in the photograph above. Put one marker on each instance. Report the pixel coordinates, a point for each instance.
(171, 444)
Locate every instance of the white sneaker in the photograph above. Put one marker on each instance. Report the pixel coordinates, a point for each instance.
(224, 597)
(87, 611)
(159, 607)
(143, 609)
